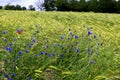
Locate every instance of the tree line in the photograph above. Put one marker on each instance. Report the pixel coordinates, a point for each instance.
(104, 6)
(16, 7)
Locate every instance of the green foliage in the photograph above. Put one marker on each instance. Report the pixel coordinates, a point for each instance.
(59, 47)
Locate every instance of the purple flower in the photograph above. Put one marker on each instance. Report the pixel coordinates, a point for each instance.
(77, 50)
(29, 78)
(20, 52)
(6, 75)
(46, 46)
(17, 56)
(13, 75)
(9, 79)
(8, 49)
(76, 36)
(62, 37)
(51, 55)
(62, 55)
(4, 32)
(95, 37)
(42, 53)
(89, 51)
(77, 42)
(89, 32)
(34, 40)
(26, 51)
(92, 62)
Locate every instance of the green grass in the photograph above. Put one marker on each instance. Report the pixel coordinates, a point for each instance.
(61, 59)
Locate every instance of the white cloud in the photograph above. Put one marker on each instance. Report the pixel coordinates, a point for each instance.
(25, 3)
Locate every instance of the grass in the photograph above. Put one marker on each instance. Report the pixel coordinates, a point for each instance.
(59, 46)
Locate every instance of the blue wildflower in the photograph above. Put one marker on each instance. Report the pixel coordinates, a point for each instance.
(51, 55)
(92, 62)
(14, 67)
(20, 52)
(89, 32)
(9, 79)
(6, 75)
(4, 32)
(77, 42)
(13, 75)
(34, 40)
(46, 46)
(17, 56)
(26, 51)
(9, 49)
(62, 37)
(62, 55)
(10, 44)
(77, 50)
(76, 36)
(42, 53)
(89, 51)
(29, 78)
(95, 37)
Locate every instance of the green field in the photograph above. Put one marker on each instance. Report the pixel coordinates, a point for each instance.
(59, 46)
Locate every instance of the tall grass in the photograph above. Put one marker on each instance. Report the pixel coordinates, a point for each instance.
(59, 46)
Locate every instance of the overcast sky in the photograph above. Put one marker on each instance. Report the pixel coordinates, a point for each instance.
(25, 3)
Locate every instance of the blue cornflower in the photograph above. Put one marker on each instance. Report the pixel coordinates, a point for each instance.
(20, 52)
(77, 42)
(13, 75)
(29, 78)
(62, 37)
(51, 55)
(95, 37)
(62, 55)
(26, 51)
(34, 40)
(4, 32)
(46, 46)
(77, 50)
(14, 67)
(89, 51)
(9, 49)
(17, 56)
(10, 44)
(89, 32)
(92, 62)
(71, 33)
(76, 36)
(6, 75)
(42, 53)
(9, 79)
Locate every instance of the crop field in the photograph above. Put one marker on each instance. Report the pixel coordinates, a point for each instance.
(59, 46)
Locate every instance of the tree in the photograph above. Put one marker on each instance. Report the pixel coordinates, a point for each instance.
(107, 6)
(0, 7)
(31, 8)
(63, 5)
(23, 8)
(18, 7)
(49, 5)
(40, 4)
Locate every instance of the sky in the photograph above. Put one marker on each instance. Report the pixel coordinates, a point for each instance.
(25, 3)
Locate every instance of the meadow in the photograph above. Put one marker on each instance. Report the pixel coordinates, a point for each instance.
(59, 46)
